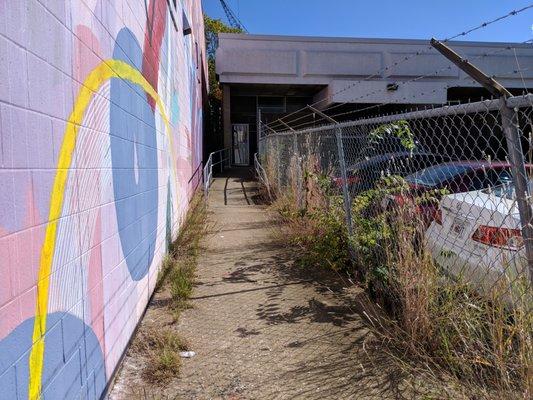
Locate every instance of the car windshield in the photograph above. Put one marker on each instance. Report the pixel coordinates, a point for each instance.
(434, 176)
(506, 191)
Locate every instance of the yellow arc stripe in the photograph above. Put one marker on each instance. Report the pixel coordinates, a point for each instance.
(106, 70)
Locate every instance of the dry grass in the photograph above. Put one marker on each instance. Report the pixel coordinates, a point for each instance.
(475, 339)
(157, 343)
(479, 336)
(160, 348)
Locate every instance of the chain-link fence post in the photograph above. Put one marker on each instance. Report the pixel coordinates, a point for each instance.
(344, 176)
(278, 161)
(511, 130)
(342, 165)
(259, 133)
(297, 162)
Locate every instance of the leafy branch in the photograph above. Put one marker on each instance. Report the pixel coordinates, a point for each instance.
(399, 129)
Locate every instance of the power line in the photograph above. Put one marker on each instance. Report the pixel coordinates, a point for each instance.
(385, 69)
(376, 106)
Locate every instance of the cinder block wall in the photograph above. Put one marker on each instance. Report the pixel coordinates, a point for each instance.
(101, 127)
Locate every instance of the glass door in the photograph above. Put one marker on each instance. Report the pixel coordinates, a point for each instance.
(240, 144)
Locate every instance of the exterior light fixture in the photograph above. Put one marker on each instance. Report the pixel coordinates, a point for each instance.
(391, 87)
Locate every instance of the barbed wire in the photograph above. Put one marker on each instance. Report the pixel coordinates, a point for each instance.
(420, 77)
(507, 48)
(395, 64)
(436, 72)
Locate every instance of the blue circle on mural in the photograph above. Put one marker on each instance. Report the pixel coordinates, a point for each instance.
(73, 365)
(134, 161)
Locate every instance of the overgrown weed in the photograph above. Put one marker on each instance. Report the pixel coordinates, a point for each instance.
(477, 337)
(315, 219)
(160, 346)
(177, 272)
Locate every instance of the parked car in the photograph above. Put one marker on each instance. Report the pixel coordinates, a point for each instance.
(453, 177)
(477, 235)
(363, 175)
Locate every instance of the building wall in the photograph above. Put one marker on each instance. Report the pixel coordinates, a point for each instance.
(357, 70)
(101, 132)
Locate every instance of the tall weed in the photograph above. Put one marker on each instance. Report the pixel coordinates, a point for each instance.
(448, 323)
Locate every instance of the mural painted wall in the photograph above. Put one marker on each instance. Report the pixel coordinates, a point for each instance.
(101, 135)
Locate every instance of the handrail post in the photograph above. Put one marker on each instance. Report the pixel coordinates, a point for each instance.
(208, 168)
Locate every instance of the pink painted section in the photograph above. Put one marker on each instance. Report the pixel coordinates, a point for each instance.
(87, 53)
(153, 38)
(47, 50)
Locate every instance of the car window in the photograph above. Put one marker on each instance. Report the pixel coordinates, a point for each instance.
(506, 190)
(401, 165)
(503, 177)
(382, 146)
(405, 165)
(436, 175)
(490, 178)
(479, 179)
(423, 161)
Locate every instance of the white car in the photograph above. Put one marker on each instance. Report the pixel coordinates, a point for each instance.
(476, 236)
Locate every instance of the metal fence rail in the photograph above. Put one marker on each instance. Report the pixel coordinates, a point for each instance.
(219, 157)
(452, 169)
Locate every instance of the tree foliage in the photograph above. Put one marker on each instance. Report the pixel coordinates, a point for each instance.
(400, 129)
(212, 28)
(214, 125)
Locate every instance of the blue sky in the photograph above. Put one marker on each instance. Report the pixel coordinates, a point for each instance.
(407, 19)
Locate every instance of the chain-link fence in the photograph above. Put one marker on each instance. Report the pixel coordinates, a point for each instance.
(442, 181)
(431, 211)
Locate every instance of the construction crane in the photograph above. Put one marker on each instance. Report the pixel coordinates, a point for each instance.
(232, 18)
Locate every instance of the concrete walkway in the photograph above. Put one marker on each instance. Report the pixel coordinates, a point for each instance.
(264, 328)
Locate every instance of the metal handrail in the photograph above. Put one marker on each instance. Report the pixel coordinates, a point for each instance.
(197, 176)
(223, 156)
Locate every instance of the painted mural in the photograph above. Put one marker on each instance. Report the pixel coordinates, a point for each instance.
(100, 143)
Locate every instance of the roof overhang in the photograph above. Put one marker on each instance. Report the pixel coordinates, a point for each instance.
(359, 70)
